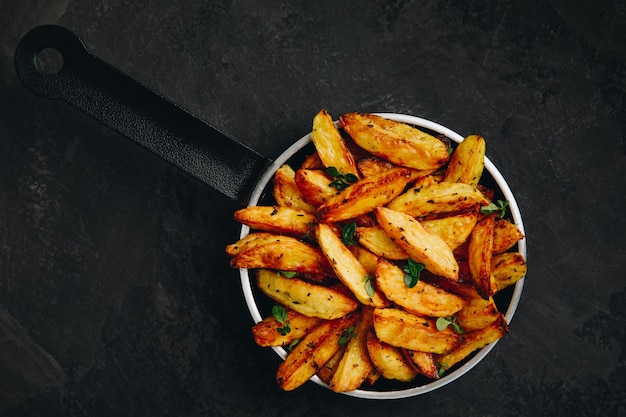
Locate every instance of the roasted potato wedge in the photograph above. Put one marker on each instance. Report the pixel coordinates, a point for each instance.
(505, 235)
(330, 146)
(374, 165)
(284, 255)
(286, 192)
(255, 239)
(362, 196)
(454, 230)
(423, 299)
(508, 268)
(347, 267)
(305, 298)
(376, 240)
(396, 142)
(467, 162)
(479, 255)
(424, 363)
(405, 330)
(277, 219)
(421, 245)
(355, 364)
(477, 312)
(308, 356)
(266, 331)
(389, 360)
(473, 341)
(314, 185)
(438, 198)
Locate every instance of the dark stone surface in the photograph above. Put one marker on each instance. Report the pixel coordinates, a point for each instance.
(115, 295)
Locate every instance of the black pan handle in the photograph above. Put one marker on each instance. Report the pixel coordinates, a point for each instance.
(125, 105)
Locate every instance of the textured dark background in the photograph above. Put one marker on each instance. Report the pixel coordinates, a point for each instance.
(115, 295)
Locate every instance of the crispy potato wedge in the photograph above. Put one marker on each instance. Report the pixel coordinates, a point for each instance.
(405, 330)
(479, 254)
(355, 364)
(423, 299)
(421, 245)
(330, 146)
(374, 165)
(347, 267)
(277, 219)
(473, 341)
(325, 373)
(362, 196)
(467, 162)
(365, 257)
(312, 161)
(284, 255)
(308, 356)
(438, 198)
(305, 298)
(508, 268)
(389, 360)
(396, 142)
(477, 312)
(505, 235)
(314, 185)
(376, 240)
(286, 192)
(266, 332)
(255, 239)
(454, 230)
(424, 363)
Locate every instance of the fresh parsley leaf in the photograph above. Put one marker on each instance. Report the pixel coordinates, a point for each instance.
(499, 208)
(412, 271)
(347, 234)
(369, 287)
(346, 335)
(280, 314)
(340, 181)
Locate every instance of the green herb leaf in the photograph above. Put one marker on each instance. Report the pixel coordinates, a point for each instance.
(369, 287)
(499, 208)
(347, 234)
(287, 274)
(280, 314)
(442, 324)
(412, 271)
(332, 172)
(293, 344)
(346, 335)
(340, 181)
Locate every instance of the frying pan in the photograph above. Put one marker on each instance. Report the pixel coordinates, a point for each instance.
(225, 164)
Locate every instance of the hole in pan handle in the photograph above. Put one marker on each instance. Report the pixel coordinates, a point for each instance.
(123, 104)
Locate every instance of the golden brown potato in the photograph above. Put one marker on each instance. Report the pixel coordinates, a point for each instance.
(277, 219)
(473, 341)
(362, 196)
(355, 364)
(508, 268)
(424, 363)
(389, 360)
(374, 165)
(330, 146)
(396, 142)
(477, 312)
(421, 245)
(317, 348)
(365, 257)
(266, 332)
(286, 191)
(454, 230)
(255, 239)
(309, 299)
(438, 198)
(348, 268)
(314, 185)
(479, 254)
(423, 299)
(376, 240)
(505, 235)
(284, 255)
(408, 331)
(467, 161)
(325, 373)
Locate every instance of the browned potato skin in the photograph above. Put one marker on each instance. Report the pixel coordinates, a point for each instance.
(306, 298)
(421, 245)
(331, 148)
(284, 255)
(286, 192)
(376, 240)
(408, 331)
(361, 197)
(454, 230)
(276, 219)
(317, 348)
(479, 255)
(423, 362)
(505, 235)
(396, 142)
(423, 299)
(355, 364)
(314, 185)
(473, 341)
(508, 268)
(467, 162)
(265, 332)
(255, 239)
(389, 360)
